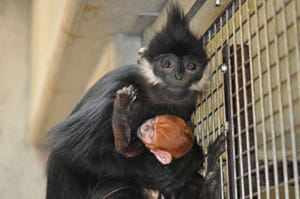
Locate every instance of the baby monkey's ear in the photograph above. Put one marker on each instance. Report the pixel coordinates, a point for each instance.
(163, 156)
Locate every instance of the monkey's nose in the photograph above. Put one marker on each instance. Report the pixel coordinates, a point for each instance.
(178, 76)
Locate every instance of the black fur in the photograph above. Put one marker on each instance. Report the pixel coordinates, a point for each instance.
(83, 159)
(176, 37)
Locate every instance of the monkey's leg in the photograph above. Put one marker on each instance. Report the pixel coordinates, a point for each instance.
(121, 123)
(211, 187)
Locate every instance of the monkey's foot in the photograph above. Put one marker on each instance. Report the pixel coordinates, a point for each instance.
(215, 150)
(126, 95)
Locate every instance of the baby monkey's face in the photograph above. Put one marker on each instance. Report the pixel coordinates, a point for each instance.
(146, 132)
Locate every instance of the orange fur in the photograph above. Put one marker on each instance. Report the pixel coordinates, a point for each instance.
(173, 135)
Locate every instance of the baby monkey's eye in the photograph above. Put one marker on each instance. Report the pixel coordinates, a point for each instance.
(190, 66)
(165, 64)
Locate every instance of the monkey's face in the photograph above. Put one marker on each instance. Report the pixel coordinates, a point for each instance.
(146, 132)
(177, 72)
(177, 77)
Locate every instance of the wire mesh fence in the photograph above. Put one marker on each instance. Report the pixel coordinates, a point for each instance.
(254, 97)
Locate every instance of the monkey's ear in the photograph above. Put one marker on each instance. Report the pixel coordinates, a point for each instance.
(142, 51)
(141, 54)
(163, 156)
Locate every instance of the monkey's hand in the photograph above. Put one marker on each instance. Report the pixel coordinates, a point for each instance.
(211, 187)
(125, 97)
(121, 120)
(215, 150)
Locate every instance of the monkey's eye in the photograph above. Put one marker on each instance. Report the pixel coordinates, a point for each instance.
(190, 66)
(165, 64)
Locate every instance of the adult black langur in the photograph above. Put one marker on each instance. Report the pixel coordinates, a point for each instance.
(87, 157)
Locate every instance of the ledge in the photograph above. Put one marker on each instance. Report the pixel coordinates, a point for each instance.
(85, 28)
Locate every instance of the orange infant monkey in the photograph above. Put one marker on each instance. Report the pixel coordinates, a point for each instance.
(167, 137)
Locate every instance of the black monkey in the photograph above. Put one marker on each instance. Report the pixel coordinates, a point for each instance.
(86, 155)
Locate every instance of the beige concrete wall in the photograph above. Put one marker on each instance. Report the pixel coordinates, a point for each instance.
(121, 50)
(21, 173)
(46, 20)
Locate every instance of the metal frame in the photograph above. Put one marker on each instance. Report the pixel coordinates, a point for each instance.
(258, 109)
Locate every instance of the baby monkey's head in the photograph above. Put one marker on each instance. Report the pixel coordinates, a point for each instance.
(167, 137)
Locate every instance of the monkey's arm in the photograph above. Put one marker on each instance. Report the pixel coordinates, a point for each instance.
(121, 124)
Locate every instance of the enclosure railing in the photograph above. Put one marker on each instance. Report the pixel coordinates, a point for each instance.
(254, 97)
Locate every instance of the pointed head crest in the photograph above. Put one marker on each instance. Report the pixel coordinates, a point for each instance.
(175, 37)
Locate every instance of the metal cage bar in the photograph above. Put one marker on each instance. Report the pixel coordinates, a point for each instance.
(290, 105)
(258, 193)
(282, 136)
(256, 101)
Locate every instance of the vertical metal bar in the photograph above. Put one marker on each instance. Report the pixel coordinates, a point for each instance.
(206, 102)
(245, 101)
(202, 121)
(297, 50)
(219, 112)
(290, 107)
(266, 166)
(211, 91)
(275, 166)
(198, 122)
(230, 135)
(228, 101)
(253, 104)
(281, 119)
(201, 112)
(213, 109)
(296, 172)
(238, 109)
(197, 117)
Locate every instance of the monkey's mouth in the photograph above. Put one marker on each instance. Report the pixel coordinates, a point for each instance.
(142, 136)
(176, 92)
